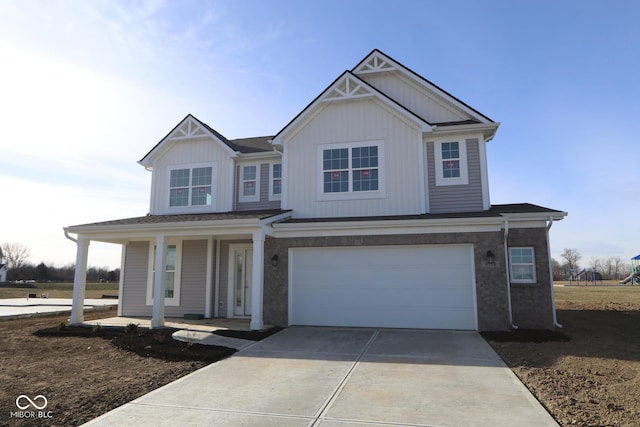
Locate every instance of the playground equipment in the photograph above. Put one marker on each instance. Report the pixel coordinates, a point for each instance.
(585, 275)
(634, 277)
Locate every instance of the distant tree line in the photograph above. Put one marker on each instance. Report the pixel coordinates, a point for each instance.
(47, 273)
(611, 268)
(19, 268)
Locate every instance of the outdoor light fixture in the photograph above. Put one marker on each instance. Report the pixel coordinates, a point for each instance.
(274, 260)
(491, 258)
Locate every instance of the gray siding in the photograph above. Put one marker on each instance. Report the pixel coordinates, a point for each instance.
(264, 202)
(134, 288)
(456, 198)
(192, 280)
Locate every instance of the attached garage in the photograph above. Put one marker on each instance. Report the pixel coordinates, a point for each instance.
(413, 286)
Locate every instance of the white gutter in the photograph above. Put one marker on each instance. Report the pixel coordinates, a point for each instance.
(66, 234)
(553, 298)
(506, 261)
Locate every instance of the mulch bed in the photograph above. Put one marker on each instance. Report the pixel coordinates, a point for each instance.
(156, 343)
(524, 335)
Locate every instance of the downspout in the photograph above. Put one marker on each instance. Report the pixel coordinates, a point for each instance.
(66, 234)
(506, 261)
(553, 298)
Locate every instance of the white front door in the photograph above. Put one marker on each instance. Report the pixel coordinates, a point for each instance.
(240, 279)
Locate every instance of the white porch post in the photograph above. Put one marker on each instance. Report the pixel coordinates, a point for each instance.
(159, 283)
(79, 281)
(258, 277)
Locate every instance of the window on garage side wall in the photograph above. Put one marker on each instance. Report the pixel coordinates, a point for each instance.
(522, 265)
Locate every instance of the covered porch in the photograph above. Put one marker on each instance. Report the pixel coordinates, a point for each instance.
(200, 276)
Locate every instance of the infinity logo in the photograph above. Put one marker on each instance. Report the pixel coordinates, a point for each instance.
(31, 402)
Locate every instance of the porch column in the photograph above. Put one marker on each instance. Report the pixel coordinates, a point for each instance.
(258, 278)
(159, 283)
(79, 281)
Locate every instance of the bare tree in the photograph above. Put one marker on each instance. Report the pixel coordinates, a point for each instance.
(571, 257)
(558, 270)
(16, 254)
(617, 265)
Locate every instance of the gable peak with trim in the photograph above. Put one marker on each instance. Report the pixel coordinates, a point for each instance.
(376, 65)
(378, 76)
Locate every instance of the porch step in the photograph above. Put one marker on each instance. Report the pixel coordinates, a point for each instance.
(193, 316)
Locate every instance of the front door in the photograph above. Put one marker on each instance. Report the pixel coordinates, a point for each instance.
(242, 280)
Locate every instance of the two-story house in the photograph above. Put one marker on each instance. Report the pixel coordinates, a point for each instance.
(369, 208)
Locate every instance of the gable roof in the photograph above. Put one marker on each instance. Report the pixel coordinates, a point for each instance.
(350, 86)
(191, 127)
(377, 61)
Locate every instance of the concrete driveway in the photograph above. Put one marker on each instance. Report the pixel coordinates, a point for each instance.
(306, 376)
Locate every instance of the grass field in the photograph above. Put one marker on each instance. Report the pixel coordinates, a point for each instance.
(55, 290)
(577, 295)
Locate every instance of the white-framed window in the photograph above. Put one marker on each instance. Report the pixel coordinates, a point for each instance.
(522, 265)
(191, 186)
(351, 170)
(249, 188)
(275, 181)
(172, 272)
(451, 162)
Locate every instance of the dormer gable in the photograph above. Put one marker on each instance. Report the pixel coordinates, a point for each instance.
(189, 128)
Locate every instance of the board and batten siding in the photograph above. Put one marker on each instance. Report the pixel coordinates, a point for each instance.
(185, 153)
(264, 202)
(192, 281)
(414, 97)
(355, 121)
(456, 198)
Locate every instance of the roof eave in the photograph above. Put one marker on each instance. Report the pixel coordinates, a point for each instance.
(488, 129)
(524, 216)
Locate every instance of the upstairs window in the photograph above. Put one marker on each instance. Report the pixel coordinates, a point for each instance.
(249, 184)
(275, 187)
(191, 187)
(351, 169)
(451, 162)
(522, 265)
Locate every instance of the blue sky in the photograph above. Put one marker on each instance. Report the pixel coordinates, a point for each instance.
(88, 87)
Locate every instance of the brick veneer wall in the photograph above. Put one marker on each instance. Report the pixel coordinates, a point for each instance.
(531, 303)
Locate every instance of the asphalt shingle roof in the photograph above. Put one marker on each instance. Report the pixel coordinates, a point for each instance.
(494, 211)
(162, 219)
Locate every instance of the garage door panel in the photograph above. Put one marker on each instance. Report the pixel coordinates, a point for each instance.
(384, 286)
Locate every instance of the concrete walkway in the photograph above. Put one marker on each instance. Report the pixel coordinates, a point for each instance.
(14, 308)
(341, 377)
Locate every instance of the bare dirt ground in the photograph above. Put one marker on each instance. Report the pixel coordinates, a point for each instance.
(85, 373)
(593, 379)
(589, 378)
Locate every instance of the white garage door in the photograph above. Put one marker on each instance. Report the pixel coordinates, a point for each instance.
(383, 286)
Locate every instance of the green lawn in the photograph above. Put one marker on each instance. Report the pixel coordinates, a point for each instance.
(55, 290)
